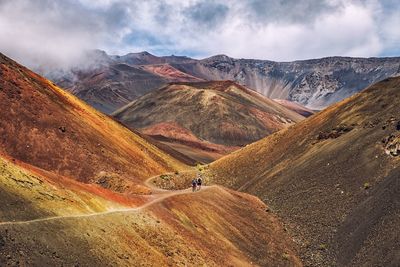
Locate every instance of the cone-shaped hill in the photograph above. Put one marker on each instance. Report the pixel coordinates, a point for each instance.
(213, 116)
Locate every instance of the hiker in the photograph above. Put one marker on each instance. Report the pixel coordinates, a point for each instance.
(194, 185)
(199, 182)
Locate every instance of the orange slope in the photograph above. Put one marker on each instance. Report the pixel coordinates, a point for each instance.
(45, 126)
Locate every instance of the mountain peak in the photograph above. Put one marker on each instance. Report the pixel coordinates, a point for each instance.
(139, 54)
(219, 57)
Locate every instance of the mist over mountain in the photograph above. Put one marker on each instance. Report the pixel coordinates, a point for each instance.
(112, 81)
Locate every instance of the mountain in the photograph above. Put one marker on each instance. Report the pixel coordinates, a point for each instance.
(213, 116)
(333, 179)
(314, 83)
(110, 82)
(111, 86)
(175, 137)
(75, 191)
(46, 127)
(145, 58)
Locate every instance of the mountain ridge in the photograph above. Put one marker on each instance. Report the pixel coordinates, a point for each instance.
(314, 83)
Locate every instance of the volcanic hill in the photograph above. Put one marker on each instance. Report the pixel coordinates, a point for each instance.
(47, 127)
(210, 116)
(74, 192)
(332, 178)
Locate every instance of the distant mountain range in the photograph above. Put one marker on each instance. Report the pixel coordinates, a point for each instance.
(114, 81)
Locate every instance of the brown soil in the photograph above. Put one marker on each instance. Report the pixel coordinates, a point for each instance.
(333, 186)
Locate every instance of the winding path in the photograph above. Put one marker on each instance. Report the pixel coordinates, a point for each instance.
(160, 196)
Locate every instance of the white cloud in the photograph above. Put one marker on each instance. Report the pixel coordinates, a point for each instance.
(346, 28)
(45, 32)
(54, 34)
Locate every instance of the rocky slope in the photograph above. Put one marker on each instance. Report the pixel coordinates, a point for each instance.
(207, 114)
(315, 83)
(74, 192)
(332, 178)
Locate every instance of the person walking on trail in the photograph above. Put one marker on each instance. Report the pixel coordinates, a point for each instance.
(194, 185)
(199, 182)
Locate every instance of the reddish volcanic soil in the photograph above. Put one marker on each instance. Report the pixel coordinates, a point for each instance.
(170, 73)
(49, 128)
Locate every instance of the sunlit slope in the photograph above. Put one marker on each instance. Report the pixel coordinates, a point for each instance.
(333, 178)
(29, 193)
(48, 220)
(47, 127)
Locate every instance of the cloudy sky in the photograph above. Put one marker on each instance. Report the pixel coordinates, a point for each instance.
(58, 31)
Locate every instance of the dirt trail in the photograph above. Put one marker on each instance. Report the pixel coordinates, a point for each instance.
(160, 195)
